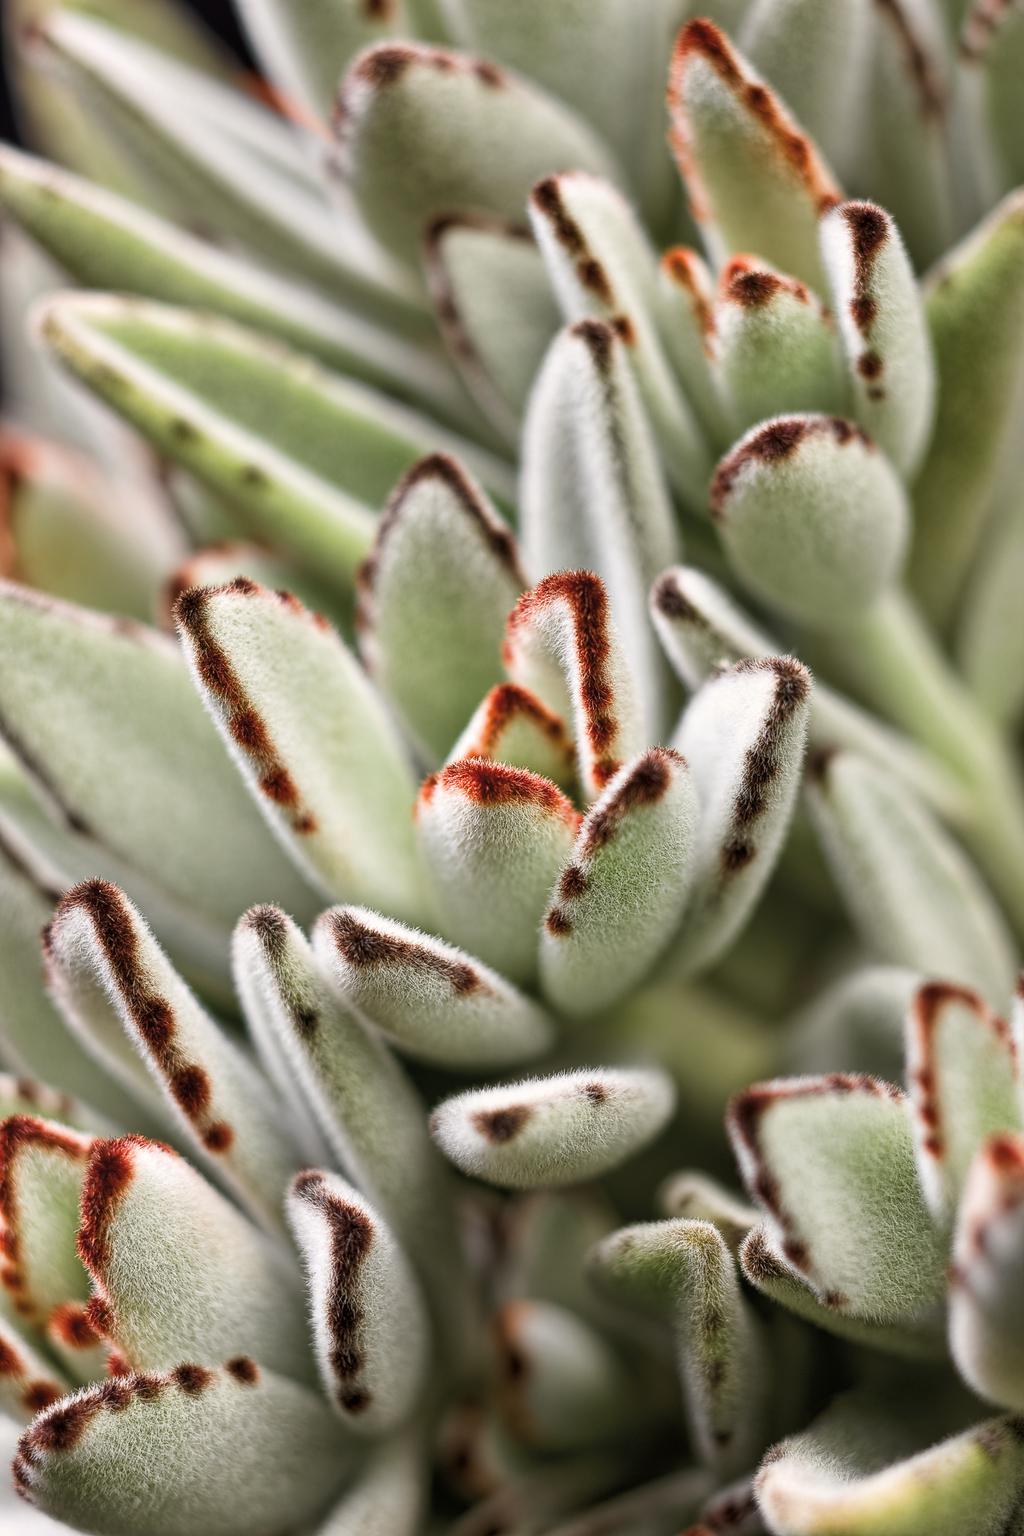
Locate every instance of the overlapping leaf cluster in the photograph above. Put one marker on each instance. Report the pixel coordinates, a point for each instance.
(503, 578)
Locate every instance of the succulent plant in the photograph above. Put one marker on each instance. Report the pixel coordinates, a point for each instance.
(427, 859)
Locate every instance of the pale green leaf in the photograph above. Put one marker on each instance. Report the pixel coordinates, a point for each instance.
(693, 1196)
(986, 1318)
(511, 725)
(42, 1166)
(387, 1496)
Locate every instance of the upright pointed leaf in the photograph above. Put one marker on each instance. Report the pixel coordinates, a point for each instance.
(812, 516)
(511, 725)
(743, 736)
(622, 891)
(756, 182)
(883, 329)
(178, 1271)
(553, 1130)
(975, 307)
(985, 1283)
(101, 950)
(311, 737)
(429, 999)
(562, 645)
(910, 890)
(42, 1166)
(434, 596)
(231, 1449)
(686, 300)
(424, 130)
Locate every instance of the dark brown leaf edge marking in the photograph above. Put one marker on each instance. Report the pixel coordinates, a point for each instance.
(870, 230)
(1003, 1157)
(645, 785)
(669, 599)
(33, 1392)
(386, 65)
(583, 595)
(506, 706)
(272, 929)
(17, 1133)
(114, 923)
(775, 442)
(684, 270)
(193, 572)
(794, 149)
(743, 1121)
(760, 1266)
(351, 1236)
(245, 724)
(548, 199)
(61, 1428)
(924, 75)
(764, 758)
(445, 470)
(362, 946)
(490, 784)
(926, 1010)
(748, 283)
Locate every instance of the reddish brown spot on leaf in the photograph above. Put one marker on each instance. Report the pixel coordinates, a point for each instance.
(646, 786)
(489, 784)
(773, 444)
(502, 1125)
(72, 1325)
(351, 1236)
(360, 945)
(244, 1370)
(192, 1379)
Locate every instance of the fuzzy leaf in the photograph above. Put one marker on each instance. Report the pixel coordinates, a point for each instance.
(105, 242)
(622, 891)
(303, 458)
(553, 1130)
(511, 725)
(602, 266)
(431, 1000)
(169, 1260)
(756, 182)
(311, 737)
(562, 1386)
(593, 493)
(230, 1449)
(686, 298)
(42, 1166)
(908, 887)
(846, 1474)
(434, 596)
(387, 1496)
(306, 45)
(495, 309)
(561, 645)
(743, 736)
(422, 131)
(104, 961)
(812, 516)
(963, 1079)
(985, 1321)
(775, 345)
(215, 565)
(103, 719)
(28, 1381)
(493, 839)
(369, 1323)
(694, 1197)
(831, 1162)
(883, 329)
(975, 308)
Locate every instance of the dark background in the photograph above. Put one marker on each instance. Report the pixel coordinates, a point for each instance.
(217, 14)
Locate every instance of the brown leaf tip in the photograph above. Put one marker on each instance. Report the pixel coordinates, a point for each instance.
(385, 65)
(751, 286)
(599, 338)
(508, 703)
(682, 267)
(490, 784)
(776, 442)
(110, 1171)
(502, 1125)
(442, 468)
(362, 946)
(645, 786)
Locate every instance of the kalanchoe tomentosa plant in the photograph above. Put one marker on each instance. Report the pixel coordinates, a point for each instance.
(421, 524)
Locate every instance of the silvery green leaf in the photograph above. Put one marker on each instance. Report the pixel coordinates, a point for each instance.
(103, 719)
(990, 642)
(693, 1196)
(686, 299)
(306, 45)
(975, 306)
(28, 1381)
(909, 889)
(561, 1385)
(493, 839)
(422, 131)
(856, 1024)
(775, 345)
(883, 329)
(684, 1269)
(494, 306)
(700, 626)
(43, 1165)
(105, 242)
(388, 1494)
(815, 53)
(602, 266)
(226, 162)
(554, 1130)
(232, 1449)
(511, 725)
(623, 888)
(304, 458)
(861, 1469)
(435, 592)
(743, 735)
(756, 182)
(106, 970)
(431, 1000)
(311, 736)
(593, 493)
(992, 48)
(812, 516)
(985, 1329)
(963, 1080)
(169, 1259)
(830, 1160)
(369, 1322)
